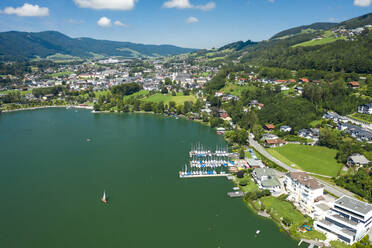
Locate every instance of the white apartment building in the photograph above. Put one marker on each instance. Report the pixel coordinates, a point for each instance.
(349, 219)
(303, 190)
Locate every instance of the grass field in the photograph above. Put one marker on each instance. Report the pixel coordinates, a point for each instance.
(318, 42)
(316, 159)
(362, 117)
(23, 92)
(179, 99)
(280, 209)
(61, 74)
(234, 89)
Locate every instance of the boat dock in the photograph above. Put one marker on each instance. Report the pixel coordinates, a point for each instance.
(312, 243)
(203, 175)
(235, 194)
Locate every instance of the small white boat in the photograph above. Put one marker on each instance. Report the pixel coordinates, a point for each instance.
(258, 232)
(104, 199)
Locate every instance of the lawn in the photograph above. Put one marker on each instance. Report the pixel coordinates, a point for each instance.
(362, 117)
(23, 92)
(235, 89)
(316, 159)
(279, 208)
(318, 42)
(250, 187)
(179, 99)
(141, 93)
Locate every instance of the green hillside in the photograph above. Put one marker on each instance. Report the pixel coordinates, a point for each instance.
(30, 45)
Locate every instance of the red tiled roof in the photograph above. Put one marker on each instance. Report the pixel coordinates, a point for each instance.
(355, 84)
(270, 126)
(274, 141)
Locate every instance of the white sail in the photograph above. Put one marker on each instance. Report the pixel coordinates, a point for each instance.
(104, 195)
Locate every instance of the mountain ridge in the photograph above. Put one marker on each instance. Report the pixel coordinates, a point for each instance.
(47, 43)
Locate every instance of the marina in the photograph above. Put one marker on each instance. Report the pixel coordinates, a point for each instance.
(205, 162)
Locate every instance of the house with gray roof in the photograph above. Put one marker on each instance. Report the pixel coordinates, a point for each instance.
(357, 160)
(266, 179)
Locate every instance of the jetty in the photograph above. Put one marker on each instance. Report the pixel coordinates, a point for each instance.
(312, 243)
(187, 175)
(235, 194)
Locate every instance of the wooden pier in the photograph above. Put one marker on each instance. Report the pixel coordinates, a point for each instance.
(235, 194)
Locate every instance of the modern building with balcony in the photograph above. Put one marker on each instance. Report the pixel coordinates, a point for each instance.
(303, 190)
(349, 219)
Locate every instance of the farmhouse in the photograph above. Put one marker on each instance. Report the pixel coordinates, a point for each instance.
(274, 143)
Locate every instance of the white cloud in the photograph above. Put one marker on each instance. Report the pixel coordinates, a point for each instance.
(332, 19)
(185, 4)
(362, 3)
(271, 1)
(119, 23)
(27, 10)
(106, 4)
(104, 22)
(206, 7)
(192, 19)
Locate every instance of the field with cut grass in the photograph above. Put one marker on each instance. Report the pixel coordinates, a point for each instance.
(235, 89)
(318, 42)
(23, 92)
(179, 99)
(316, 159)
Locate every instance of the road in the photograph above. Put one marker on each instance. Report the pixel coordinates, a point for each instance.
(360, 123)
(335, 190)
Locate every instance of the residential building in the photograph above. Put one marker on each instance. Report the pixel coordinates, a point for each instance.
(266, 179)
(357, 160)
(349, 219)
(269, 127)
(303, 190)
(285, 128)
(365, 108)
(274, 142)
(255, 163)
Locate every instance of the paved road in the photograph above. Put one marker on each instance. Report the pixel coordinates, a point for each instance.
(360, 123)
(335, 190)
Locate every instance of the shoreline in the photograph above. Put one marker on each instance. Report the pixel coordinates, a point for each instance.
(248, 204)
(49, 106)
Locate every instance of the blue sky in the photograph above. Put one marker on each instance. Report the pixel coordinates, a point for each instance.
(187, 23)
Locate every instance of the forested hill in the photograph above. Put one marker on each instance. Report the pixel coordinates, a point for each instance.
(298, 30)
(346, 46)
(239, 45)
(29, 45)
(352, 23)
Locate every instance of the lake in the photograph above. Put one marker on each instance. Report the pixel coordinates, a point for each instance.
(52, 178)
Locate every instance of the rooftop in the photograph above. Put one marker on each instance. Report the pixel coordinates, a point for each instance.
(354, 204)
(305, 179)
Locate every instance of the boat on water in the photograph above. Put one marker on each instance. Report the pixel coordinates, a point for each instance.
(104, 198)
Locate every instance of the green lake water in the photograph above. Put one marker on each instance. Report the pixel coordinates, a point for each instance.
(51, 180)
